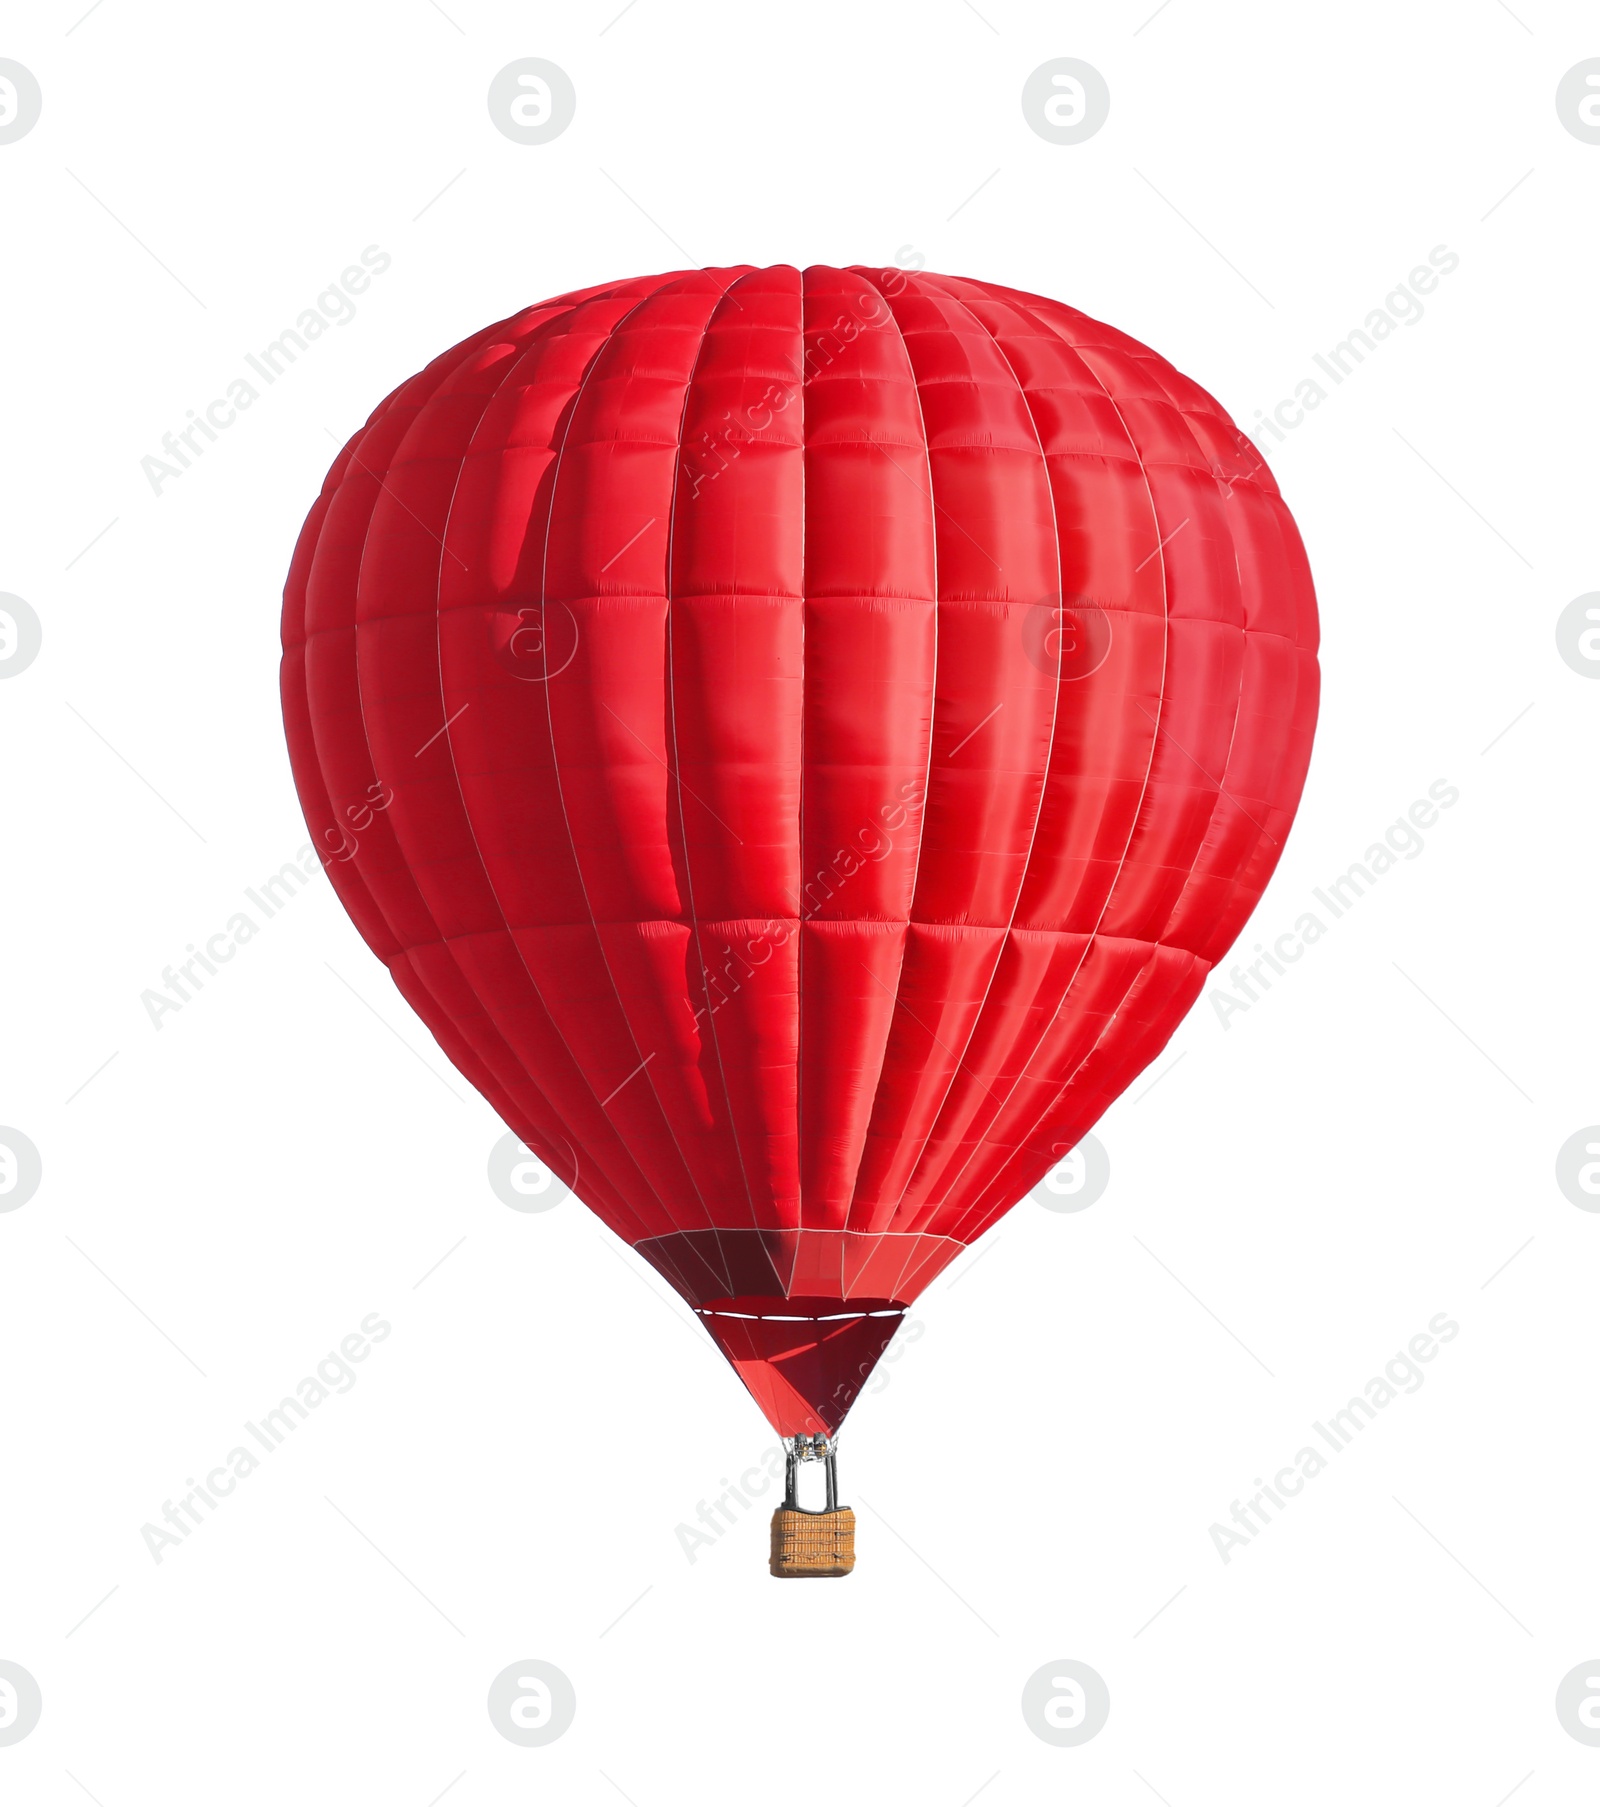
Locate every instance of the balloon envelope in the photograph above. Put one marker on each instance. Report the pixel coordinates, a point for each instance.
(800, 741)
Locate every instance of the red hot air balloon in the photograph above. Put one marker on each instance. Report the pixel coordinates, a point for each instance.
(811, 734)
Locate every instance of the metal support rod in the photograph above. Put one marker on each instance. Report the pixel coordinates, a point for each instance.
(812, 1448)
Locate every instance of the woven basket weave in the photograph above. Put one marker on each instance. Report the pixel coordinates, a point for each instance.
(813, 1543)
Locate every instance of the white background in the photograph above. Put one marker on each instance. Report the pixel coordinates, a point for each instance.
(1364, 1148)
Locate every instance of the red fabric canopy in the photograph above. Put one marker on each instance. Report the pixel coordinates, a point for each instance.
(800, 740)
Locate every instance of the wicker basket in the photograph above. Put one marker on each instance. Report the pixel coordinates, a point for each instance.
(813, 1543)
